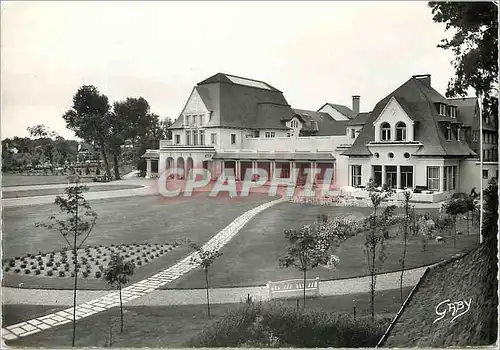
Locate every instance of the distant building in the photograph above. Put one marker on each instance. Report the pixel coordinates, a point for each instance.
(414, 138)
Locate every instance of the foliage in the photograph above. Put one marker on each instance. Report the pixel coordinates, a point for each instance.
(304, 251)
(490, 212)
(118, 274)
(205, 258)
(455, 207)
(274, 325)
(475, 46)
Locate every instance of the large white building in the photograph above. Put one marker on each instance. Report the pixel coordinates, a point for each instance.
(413, 138)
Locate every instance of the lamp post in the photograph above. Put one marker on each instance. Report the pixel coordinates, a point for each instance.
(480, 101)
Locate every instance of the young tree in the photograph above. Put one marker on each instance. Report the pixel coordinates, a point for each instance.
(407, 221)
(89, 119)
(75, 222)
(374, 238)
(118, 274)
(475, 46)
(490, 212)
(304, 251)
(205, 258)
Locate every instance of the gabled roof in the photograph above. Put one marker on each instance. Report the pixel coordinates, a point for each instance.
(327, 126)
(237, 102)
(418, 100)
(341, 109)
(360, 119)
(473, 278)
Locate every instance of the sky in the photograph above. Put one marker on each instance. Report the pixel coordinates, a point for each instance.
(315, 52)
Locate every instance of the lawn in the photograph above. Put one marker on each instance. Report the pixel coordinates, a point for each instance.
(143, 219)
(24, 180)
(172, 326)
(57, 191)
(251, 258)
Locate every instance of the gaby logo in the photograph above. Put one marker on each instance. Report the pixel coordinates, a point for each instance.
(455, 308)
(176, 182)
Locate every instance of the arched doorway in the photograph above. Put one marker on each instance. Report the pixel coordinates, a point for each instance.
(170, 163)
(189, 167)
(180, 165)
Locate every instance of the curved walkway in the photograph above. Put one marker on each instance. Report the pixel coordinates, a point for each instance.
(136, 290)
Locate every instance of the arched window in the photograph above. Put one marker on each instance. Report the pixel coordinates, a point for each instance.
(385, 129)
(400, 131)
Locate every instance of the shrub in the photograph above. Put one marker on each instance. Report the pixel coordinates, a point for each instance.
(37, 272)
(27, 271)
(275, 325)
(146, 261)
(50, 273)
(50, 264)
(85, 274)
(7, 268)
(17, 270)
(41, 268)
(40, 263)
(157, 255)
(23, 266)
(61, 274)
(139, 262)
(17, 258)
(98, 274)
(72, 274)
(39, 258)
(12, 262)
(58, 264)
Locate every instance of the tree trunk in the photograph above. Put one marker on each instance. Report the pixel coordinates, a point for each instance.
(304, 306)
(105, 158)
(454, 231)
(75, 262)
(208, 297)
(116, 167)
(121, 307)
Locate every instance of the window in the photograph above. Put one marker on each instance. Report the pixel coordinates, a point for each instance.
(177, 139)
(257, 134)
(202, 137)
(453, 111)
(400, 131)
(448, 132)
(195, 137)
(377, 175)
(377, 155)
(385, 132)
(288, 134)
(442, 109)
(459, 134)
(201, 120)
(390, 155)
(485, 174)
(454, 177)
(270, 134)
(188, 120)
(294, 124)
(195, 120)
(233, 139)
(188, 138)
(496, 174)
(406, 176)
(446, 178)
(433, 178)
(391, 175)
(406, 155)
(353, 133)
(213, 138)
(356, 175)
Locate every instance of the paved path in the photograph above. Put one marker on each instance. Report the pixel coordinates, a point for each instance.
(149, 187)
(217, 295)
(136, 290)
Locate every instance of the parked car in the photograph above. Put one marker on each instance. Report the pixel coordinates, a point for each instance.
(101, 178)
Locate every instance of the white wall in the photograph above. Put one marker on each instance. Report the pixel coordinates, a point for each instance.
(471, 175)
(307, 143)
(333, 112)
(392, 114)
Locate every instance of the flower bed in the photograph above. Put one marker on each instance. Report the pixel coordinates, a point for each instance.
(89, 261)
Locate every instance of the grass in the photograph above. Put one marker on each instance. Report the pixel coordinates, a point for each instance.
(23, 180)
(57, 191)
(174, 326)
(144, 219)
(251, 258)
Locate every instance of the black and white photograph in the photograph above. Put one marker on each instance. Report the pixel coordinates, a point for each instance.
(249, 174)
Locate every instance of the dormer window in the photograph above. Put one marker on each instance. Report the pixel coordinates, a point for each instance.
(400, 131)
(385, 132)
(452, 111)
(442, 109)
(294, 124)
(448, 132)
(188, 120)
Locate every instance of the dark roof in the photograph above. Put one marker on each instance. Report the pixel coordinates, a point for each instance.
(151, 154)
(326, 125)
(360, 119)
(473, 278)
(238, 105)
(466, 108)
(275, 155)
(341, 109)
(418, 100)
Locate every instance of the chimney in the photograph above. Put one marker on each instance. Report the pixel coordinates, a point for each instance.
(424, 78)
(355, 104)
